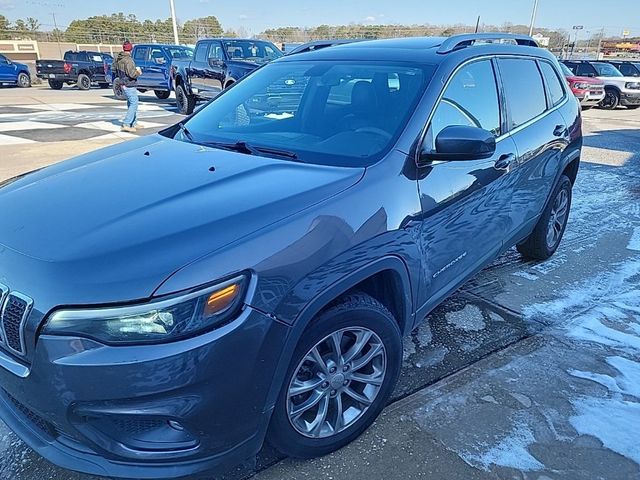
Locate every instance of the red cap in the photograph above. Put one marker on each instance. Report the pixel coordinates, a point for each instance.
(126, 46)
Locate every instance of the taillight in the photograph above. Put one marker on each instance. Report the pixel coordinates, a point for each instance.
(106, 68)
(67, 67)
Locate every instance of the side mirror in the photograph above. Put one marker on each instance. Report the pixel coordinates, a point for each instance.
(461, 142)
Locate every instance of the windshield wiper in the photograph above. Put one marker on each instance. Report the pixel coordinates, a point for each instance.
(244, 147)
(185, 131)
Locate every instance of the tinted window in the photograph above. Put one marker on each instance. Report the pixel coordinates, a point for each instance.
(523, 88)
(141, 54)
(556, 92)
(629, 70)
(201, 52)
(253, 50)
(471, 98)
(585, 70)
(180, 52)
(606, 70)
(287, 106)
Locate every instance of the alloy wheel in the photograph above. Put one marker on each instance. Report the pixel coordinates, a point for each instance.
(558, 218)
(336, 382)
(24, 80)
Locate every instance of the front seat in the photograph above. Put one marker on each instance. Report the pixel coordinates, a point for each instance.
(364, 110)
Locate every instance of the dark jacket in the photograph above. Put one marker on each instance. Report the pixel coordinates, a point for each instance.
(125, 69)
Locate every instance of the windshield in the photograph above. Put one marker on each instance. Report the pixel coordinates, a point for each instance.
(565, 70)
(180, 52)
(252, 50)
(607, 70)
(332, 113)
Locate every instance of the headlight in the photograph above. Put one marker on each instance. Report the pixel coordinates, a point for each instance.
(632, 85)
(580, 86)
(160, 321)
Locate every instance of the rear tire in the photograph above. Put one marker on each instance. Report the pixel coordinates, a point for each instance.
(611, 100)
(162, 94)
(543, 242)
(56, 84)
(359, 345)
(118, 92)
(84, 82)
(24, 80)
(185, 102)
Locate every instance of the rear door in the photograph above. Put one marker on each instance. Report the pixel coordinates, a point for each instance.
(157, 71)
(465, 204)
(216, 69)
(539, 131)
(197, 68)
(141, 59)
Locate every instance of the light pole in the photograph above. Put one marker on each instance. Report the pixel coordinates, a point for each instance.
(175, 22)
(533, 16)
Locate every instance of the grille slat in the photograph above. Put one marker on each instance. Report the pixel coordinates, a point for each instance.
(33, 417)
(15, 310)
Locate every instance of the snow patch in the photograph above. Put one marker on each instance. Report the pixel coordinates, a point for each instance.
(526, 275)
(512, 451)
(469, 318)
(634, 241)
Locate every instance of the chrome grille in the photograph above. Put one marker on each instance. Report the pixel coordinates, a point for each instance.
(15, 310)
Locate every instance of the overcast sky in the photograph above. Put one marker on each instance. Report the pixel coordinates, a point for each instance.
(257, 15)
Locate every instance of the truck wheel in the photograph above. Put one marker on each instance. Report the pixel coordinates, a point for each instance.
(162, 94)
(103, 86)
(341, 376)
(611, 100)
(56, 84)
(118, 92)
(24, 81)
(84, 82)
(185, 102)
(546, 236)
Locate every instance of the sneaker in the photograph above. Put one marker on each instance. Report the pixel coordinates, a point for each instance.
(127, 128)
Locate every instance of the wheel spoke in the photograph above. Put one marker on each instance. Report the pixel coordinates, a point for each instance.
(375, 378)
(362, 338)
(315, 357)
(321, 416)
(358, 397)
(339, 423)
(299, 387)
(336, 345)
(375, 350)
(297, 410)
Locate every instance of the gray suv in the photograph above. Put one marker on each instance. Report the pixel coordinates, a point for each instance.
(171, 302)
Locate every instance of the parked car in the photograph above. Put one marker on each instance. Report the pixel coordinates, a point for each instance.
(14, 73)
(589, 91)
(218, 64)
(250, 272)
(82, 68)
(155, 61)
(627, 68)
(619, 90)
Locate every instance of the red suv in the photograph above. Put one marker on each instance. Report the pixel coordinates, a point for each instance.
(589, 91)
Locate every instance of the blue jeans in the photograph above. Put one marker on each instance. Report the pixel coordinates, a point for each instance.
(132, 106)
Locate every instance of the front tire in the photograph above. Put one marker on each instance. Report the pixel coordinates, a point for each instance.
(185, 102)
(611, 100)
(547, 234)
(162, 94)
(24, 80)
(84, 82)
(341, 376)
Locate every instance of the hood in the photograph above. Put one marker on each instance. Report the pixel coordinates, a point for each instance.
(113, 224)
(589, 80)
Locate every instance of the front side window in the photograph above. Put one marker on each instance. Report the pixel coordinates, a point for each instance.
(343, 113)
(252, 50)
(141, 54)
(3, 59)
(201, 52)
(157, 56)
(471, 99)
(215, 52)
(585, 70)
(556, 92)
(523, 89)
(606, 70)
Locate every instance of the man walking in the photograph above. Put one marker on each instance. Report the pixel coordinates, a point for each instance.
(127, 73)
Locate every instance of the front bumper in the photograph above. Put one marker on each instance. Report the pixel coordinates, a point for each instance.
(630, 98)
(153, 411)
(587, 98)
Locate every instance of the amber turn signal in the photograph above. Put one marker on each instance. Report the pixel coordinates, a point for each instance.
(221, 299)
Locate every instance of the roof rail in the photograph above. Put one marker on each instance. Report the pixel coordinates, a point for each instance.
(320, 44)
(457, 42)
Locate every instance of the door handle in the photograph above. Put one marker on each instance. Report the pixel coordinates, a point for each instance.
(504, 161)
(560, 131)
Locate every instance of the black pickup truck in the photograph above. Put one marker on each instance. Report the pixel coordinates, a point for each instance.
(82, 68)
(217, 64)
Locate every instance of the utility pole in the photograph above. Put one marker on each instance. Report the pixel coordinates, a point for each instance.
(175, 22)
(533, 16)
(55, 25)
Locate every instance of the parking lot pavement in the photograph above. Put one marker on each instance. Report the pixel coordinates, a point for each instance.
(530, 371)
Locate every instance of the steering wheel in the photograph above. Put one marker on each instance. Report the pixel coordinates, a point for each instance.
(375, 131)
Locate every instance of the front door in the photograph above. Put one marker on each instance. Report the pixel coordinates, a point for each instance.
(198, 68)
(216, 69)
(465, 204)
(6, 70)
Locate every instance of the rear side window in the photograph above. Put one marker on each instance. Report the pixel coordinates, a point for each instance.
(141, 54)
(556, 92)
(523, 89)
(471, 99)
